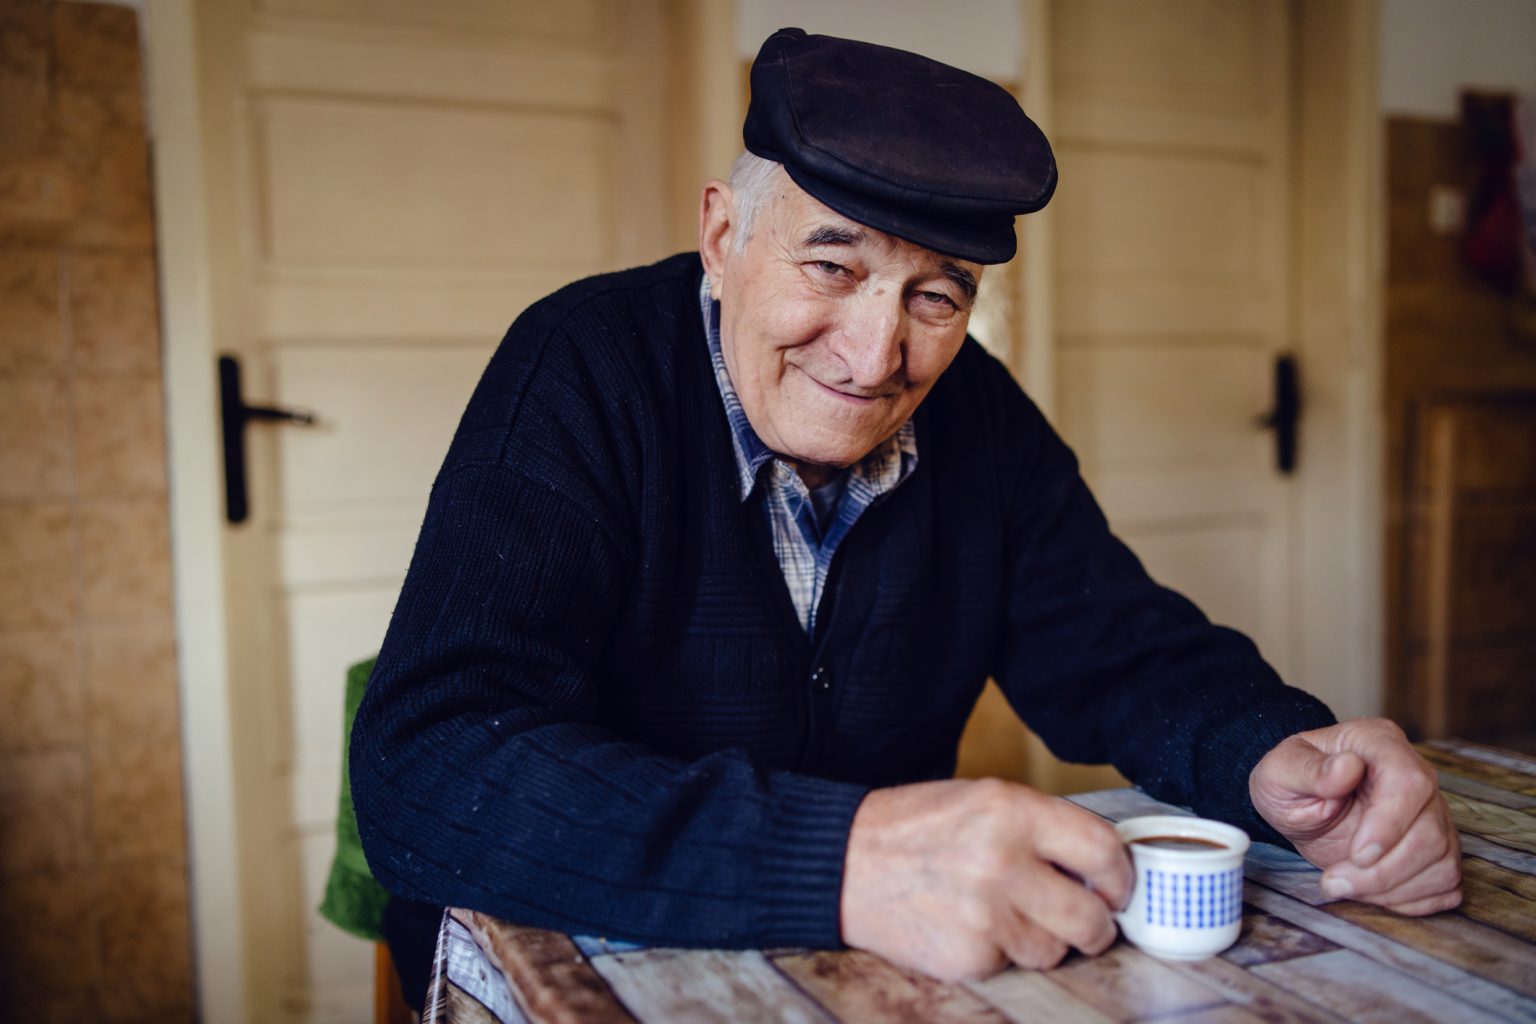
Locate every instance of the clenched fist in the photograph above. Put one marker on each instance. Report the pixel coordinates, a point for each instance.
(1358, 802)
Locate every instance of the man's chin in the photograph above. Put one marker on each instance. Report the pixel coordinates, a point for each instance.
(833, 457)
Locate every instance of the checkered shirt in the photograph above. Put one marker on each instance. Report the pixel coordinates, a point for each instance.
(804, 549)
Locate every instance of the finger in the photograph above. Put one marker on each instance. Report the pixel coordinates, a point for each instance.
(1297, 770)
(1064, 908)
(1429, 841)
(1084, 844)
(1429, 905)
(1398, 787)
(1030, 946)
(1435, 881)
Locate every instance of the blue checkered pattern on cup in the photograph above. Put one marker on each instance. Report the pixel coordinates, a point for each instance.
(1181, 900)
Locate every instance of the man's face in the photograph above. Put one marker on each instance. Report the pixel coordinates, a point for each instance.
(833, 332)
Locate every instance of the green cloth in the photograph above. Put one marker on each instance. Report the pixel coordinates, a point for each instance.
(353, 900)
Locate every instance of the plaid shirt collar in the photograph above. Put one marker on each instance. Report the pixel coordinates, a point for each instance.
(882, 470)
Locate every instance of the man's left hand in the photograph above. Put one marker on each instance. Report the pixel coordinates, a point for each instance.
(1360, 803)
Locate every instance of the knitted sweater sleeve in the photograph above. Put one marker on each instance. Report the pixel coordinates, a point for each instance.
(1108, 666)
(479, 775)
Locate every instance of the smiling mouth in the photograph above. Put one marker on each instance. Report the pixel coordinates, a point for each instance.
(855, 397)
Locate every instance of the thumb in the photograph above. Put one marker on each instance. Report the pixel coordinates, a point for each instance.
(1301, 771)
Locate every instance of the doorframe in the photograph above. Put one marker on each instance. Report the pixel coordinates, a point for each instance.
(1338, 291)
(185, 243)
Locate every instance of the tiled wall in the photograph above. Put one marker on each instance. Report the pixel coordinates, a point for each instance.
(93, 880)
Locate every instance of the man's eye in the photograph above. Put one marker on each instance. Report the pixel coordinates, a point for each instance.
(937, 299)
(829, 268)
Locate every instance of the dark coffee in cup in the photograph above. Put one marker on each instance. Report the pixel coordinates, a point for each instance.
(1180, 843)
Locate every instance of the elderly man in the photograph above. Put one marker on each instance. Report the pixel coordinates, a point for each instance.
(726, 547)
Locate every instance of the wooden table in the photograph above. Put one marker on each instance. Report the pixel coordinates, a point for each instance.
(1301, 957)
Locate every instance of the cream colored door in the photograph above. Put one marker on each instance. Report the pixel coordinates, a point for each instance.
(388, 183)
(1170, 123)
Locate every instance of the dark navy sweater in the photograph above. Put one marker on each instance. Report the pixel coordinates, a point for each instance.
(596, 711)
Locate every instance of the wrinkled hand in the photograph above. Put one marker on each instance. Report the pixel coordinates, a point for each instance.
(1358, 802)
(957, 879)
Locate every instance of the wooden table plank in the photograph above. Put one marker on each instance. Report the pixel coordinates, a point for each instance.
(1510, 759)
(1360, 989)
(1226, 1013)
(1264, 999)
(1266, 938)
(1031, 997)
(1505, 826)
(1487, 849)
(1285, 871)
(701, 986)
(1493, 997)
(465, 1009)
(1496, 896)
(859, 986)
(1463, 786)
(1493, 775)
(1126, 984)
(1475, 947)
(553, 982)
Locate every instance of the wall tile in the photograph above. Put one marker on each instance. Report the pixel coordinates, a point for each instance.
(145, 950)
(84, 116)
(24, 36)
(114, 314)
(96, 46)
(116, 211)
(23, 77)
(34, 439)
(56, 912)
(100, 137)
(39, 200)
(125, 561)
(42, 688)
(31, 331)
(131, 688)
(91, 808)
(36, 565)
(136, 800)
(43, 805)
(119, 438)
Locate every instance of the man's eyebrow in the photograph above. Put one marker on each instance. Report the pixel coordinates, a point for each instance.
(964, 279)
(832, 234)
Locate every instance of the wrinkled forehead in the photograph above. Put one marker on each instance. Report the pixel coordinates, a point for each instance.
(801, 221)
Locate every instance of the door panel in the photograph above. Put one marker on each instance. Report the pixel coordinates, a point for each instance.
(397, 181)
(1171, 135)
(367, 183)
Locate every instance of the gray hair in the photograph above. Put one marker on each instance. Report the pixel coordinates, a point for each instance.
(753, 184)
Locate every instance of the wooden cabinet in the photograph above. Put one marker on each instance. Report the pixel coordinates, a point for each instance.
(1470, 595)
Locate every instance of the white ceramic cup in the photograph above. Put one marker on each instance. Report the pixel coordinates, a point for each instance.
(1187, 903)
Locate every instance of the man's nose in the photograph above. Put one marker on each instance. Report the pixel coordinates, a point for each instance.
(871, 339)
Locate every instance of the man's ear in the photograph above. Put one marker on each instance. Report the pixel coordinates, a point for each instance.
(717, 230)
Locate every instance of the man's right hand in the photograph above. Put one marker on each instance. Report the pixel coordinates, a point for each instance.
(959, 878)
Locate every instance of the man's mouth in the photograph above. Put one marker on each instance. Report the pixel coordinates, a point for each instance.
(856, 396)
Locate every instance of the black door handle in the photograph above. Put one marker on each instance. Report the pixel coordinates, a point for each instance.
(235, 414)
(1285, 417)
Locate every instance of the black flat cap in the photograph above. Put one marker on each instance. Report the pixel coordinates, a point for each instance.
(917, 149)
